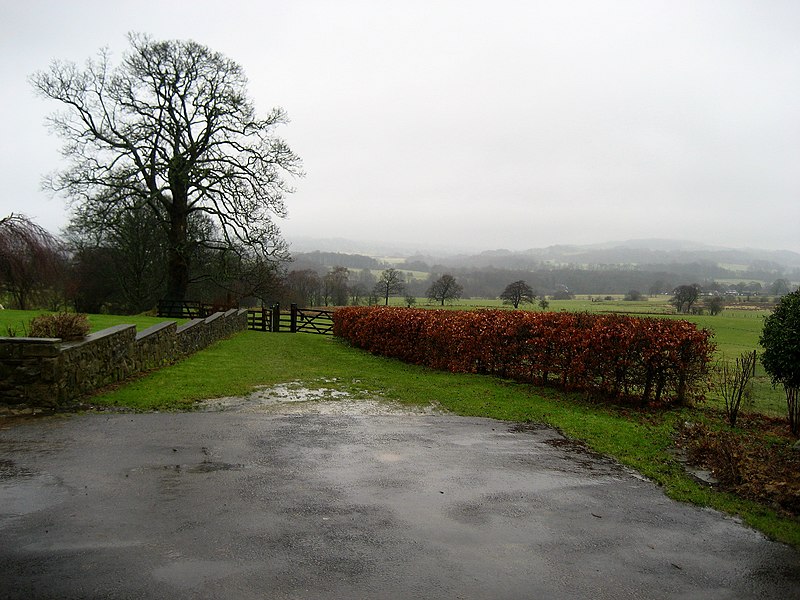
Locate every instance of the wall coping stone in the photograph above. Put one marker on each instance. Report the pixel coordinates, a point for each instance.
(190, 324)
(153, 329)
(98, 335)
(29, 340)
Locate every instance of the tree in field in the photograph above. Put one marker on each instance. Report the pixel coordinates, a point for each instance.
(302, 287)
(633, 296)
(31, 259)
(390, 283)
(715, 305)
(779, 287)
(517, 293)
(445, 289)
(780, 339)
(656, 287)
(170, 131)
(335, 286)
(362, 284)
(543, 303)
(684, 296)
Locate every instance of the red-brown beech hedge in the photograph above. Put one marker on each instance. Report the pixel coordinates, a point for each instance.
(610, 356)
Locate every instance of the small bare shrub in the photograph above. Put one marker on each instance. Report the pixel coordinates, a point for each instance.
(67, 326)
(733, 382)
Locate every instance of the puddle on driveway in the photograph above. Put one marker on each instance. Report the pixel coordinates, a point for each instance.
(10, 470)
(300, 398)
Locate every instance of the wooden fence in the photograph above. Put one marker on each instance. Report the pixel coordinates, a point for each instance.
(272, 318)
(186, 309)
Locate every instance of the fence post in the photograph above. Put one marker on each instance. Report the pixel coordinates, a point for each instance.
(276, 317)
(293, 321)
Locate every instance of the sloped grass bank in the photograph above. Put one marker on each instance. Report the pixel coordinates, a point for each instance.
(640, 440)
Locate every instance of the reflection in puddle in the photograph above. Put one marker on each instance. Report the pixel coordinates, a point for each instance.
(28, 492)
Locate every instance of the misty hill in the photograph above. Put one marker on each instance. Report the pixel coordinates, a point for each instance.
(644, 254)
(616, 267)
(312, 260)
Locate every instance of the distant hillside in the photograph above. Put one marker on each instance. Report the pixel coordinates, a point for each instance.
(313, 260)
(654, 266)
(646, 253)
(626, 254)
(660, 252)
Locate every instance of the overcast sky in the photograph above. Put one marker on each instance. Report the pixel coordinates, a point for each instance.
(483, 125)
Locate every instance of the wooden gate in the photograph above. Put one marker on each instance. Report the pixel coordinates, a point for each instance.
(310, 320)
(295, 320)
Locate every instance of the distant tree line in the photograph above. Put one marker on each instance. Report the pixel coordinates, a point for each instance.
(122, 267)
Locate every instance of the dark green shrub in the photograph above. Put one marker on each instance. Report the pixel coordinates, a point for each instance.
(781, 359)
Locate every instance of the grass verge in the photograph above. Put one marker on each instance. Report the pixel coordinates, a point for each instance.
(640, 440)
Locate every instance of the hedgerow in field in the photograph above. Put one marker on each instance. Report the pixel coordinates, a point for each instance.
(613, 356)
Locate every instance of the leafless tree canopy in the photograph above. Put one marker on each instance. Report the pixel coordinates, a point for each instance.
(171, 130)
(30, 258)
(446, 288)
(390, 283)
(517, 293)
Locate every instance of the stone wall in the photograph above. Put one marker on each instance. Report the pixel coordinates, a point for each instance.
(49, 373)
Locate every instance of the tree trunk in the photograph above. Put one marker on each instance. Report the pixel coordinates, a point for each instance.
(793, 408)
(178, 262)
(177, 275)
(178, 259)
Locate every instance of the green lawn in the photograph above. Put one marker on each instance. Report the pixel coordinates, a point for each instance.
(19, 319)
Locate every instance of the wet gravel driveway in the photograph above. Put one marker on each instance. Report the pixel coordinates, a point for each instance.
(336, 499)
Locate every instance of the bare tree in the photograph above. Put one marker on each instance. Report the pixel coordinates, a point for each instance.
(685, 296)
(31, 259)
(446, 288)
(303, 286)
(733, 383)
(390, 283)
(335, 284)
(517, 293)
(715, 305)
(171, 131)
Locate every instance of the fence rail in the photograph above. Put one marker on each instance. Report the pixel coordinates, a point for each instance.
(184, 309)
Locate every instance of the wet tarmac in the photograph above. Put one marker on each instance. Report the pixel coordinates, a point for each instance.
(320, 496)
